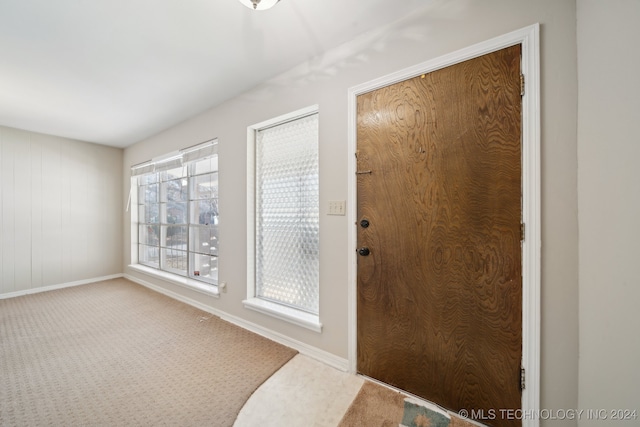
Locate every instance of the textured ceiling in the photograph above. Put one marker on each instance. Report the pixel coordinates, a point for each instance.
(115, 72)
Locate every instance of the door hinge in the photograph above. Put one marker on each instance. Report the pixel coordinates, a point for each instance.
(522, 231)
(521, 84)
(522, 379)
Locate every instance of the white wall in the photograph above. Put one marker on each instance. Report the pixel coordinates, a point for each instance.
(609, 202)
(442, 27)
(60, 205)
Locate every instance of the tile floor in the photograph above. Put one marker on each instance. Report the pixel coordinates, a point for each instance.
(322, 395)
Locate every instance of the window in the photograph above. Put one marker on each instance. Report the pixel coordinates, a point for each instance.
(177, 209)
(285, 217)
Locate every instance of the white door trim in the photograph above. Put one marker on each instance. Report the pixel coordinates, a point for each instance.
(529, 37)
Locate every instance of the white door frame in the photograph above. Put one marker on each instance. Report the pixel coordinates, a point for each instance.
(529, 38)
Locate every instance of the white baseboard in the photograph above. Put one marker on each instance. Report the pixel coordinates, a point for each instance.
(169, 293)
(308, 350)
(59, 286)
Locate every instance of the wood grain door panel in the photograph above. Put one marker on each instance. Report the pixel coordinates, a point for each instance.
(440, 294)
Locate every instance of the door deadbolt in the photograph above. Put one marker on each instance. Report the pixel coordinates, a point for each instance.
(364, 223)
(364, 251)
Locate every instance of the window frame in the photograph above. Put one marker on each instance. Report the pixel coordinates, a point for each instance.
(275, 309)
(187, 160)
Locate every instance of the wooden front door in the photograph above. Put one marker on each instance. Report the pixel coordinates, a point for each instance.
(439, 212)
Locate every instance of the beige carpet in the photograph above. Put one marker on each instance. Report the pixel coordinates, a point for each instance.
(115, 353)
(378, 406)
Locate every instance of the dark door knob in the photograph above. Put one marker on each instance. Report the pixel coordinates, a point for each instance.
(364, 223)
(364, 251)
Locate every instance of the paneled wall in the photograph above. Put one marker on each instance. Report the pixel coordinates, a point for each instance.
(60, 211)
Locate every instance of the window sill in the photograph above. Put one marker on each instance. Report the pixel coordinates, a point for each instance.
(288, 314)
(185, 282)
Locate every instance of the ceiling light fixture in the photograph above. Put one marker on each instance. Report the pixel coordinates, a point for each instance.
(259, 4)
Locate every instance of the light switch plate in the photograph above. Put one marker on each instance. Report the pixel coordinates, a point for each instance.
(337, 207)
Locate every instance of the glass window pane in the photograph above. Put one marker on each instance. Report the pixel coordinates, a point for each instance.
(148, 255)
(174, 260)
(149, 213)
(204, 186)
(174, 237)
(148, 194)
(287, 214)
(204, 166)
(204, 240)
(149, 234)
(148, 179)
(172, 174)
(174, 213)
(174, 191)
(204, 267)
(204, 212)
